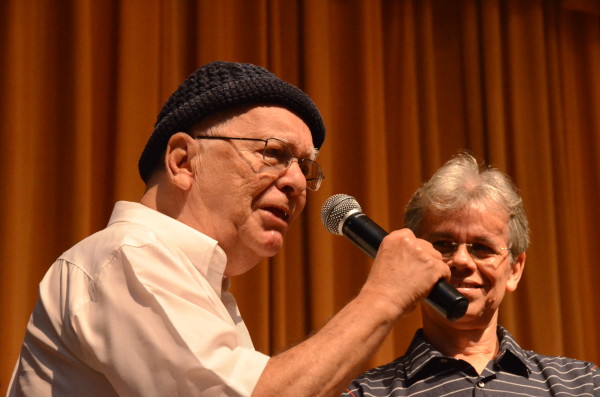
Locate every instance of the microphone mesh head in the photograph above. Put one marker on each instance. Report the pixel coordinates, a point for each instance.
(335, 209)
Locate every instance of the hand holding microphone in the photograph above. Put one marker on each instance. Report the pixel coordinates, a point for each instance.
(341, 214)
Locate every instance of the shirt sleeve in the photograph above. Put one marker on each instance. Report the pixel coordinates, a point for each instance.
(596, 378)
(155, 327)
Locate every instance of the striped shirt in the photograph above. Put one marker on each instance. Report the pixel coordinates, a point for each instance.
(424, 371)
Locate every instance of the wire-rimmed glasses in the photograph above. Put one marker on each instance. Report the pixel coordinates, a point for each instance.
(277, 153)
(478, 251)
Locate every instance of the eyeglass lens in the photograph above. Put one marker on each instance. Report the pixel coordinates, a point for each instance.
(279, 153)
(477, 251)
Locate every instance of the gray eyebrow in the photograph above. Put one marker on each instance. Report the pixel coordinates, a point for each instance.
(314, 152)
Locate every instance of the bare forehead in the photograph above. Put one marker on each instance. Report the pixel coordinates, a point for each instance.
(474, 220)
(272, 121)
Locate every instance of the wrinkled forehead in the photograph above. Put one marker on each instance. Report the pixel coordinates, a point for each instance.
(260, 122)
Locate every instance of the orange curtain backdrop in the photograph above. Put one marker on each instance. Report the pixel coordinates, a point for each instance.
(402, 86)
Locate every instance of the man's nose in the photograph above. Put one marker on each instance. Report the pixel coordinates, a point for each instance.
(462, 257)
(292, 179)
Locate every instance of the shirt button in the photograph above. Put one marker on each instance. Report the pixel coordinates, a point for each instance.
(480, 384)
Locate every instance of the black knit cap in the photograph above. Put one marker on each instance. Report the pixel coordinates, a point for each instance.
(222, 85)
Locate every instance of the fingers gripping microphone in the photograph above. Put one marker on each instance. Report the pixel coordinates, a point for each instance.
(341, 214)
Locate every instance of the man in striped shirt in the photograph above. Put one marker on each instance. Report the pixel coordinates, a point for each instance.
(474, 217)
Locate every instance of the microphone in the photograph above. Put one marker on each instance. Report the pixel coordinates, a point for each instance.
(342, 215)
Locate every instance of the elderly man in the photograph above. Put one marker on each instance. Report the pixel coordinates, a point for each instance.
(474, 217)
(141, 308)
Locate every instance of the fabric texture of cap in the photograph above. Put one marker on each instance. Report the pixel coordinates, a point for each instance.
(222, 85)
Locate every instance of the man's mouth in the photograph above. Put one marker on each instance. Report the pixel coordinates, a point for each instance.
(278, 212)
(464, 284)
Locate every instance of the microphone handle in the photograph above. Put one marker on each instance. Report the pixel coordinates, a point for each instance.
(367, 235)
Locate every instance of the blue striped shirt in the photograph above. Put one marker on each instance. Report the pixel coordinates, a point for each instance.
(424, 371)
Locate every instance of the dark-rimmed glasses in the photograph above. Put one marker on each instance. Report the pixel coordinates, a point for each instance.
(277, 153)
(479, 252)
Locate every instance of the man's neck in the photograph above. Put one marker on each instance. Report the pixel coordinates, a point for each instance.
(477, 346)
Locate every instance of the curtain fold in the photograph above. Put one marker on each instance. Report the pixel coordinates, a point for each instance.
(402, 85)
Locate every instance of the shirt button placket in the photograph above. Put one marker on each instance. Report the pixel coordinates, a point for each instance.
(479, 389)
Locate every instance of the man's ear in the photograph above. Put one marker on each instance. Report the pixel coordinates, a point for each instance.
(180, 151)
(515, 273)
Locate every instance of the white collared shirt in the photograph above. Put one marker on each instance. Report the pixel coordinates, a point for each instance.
(137, 309)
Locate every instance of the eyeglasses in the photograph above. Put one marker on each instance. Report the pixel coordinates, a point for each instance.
(277, 153)
(478, 251)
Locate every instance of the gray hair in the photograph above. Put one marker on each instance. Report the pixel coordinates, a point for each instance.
(463, 181)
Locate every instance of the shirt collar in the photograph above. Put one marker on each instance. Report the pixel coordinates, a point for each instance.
(202, 251)
(423, 355)
(511, 357)
(420, 354)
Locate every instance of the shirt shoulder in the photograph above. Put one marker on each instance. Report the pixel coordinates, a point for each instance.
(560, 364)
(564, 374)
(102, 245)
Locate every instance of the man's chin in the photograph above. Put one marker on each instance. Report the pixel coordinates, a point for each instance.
(272, 242)
(251, 251)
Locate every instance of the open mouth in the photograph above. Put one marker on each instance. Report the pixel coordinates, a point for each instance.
(281, 214)
(458, 284)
